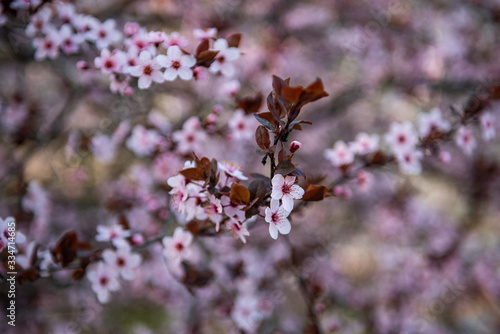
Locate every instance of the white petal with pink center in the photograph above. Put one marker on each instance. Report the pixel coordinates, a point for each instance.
(177, 64)
(340, 154)
(123, 260)
(104, 279)
(276, 217)
(284, 188)
(177, 246)
(147, 71)
(401, 137)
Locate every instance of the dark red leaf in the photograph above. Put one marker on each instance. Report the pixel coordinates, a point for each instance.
(262, 137)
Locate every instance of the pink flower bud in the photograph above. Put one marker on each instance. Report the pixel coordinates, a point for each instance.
(217, 109)
(444, 157)
(82, 65)
(295, 145)
(128, 91)
(137, 239)
(211, 118)
(131, 28)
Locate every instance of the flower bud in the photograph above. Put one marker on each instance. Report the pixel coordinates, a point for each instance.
(294, 146)
(131, 28)
(82, 65)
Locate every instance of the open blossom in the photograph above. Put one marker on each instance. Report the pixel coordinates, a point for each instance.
(47, 46)
(110, 62)
(147, 71)
(232, 209)
(105, 34)
(487, 121)
(225, 57)
(401, 137)
(231, 169)
(104, 279)
(205, 33)
(409, 162)
(165, 165)
(284, 188)
(123, 260)
(212, 210)
(69, 42)
(177, 246)
(114, 233)
(242, 126)
(175, 39)
(246, 313)
(340, 154)
(364, 143)
(38, 22)
(177, 64)
(432, 121)
(143, 142)
(237, 229)
(191, 137)
(465, 139)
(276, 217)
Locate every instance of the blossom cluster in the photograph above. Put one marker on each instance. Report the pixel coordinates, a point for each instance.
(149, 56)
(408, 146)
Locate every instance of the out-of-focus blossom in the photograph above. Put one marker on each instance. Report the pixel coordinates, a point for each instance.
(143, 142)
(364, 143)
(401, 137)
(177, 64)
(340, 154)
(224, 61)
(122, 260)
(205, 33)
(487, 121)
(432, 121)
(114, 233)
(104, 279)
(465, 139)
(147, 71)
(177, 247)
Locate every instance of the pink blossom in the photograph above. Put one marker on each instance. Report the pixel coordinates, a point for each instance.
(122, 260)
(105, 34)
(401, 137)
(465, 139)
(364, 143)
(47, 46)
(38, 22)
(340, 154)
(114, 233)
(110, 62)
(432, 121)
(224, 59)
(242, 126)
(143, 142)
(237, 229)
(232, 209)
(276, 217)
(147, 71)
(189, 139)
(177, 246)
(165, 165)
(104, 279)
(409, 162)
(207, 33)
(284, 188)
(131, 28)
(231, 169)
(487, 121)
(175, 39)
(177, 64)
(159, 121)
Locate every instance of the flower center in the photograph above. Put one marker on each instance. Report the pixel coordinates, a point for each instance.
(176, 64)
(285, 189)
(179, 246)
(108, 64)
(147, 70)
(104, 281)
(102, 34)
(401, 139)
(120, 262)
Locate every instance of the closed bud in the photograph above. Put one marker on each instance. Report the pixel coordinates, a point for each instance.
(82, 65)
(294, 146)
